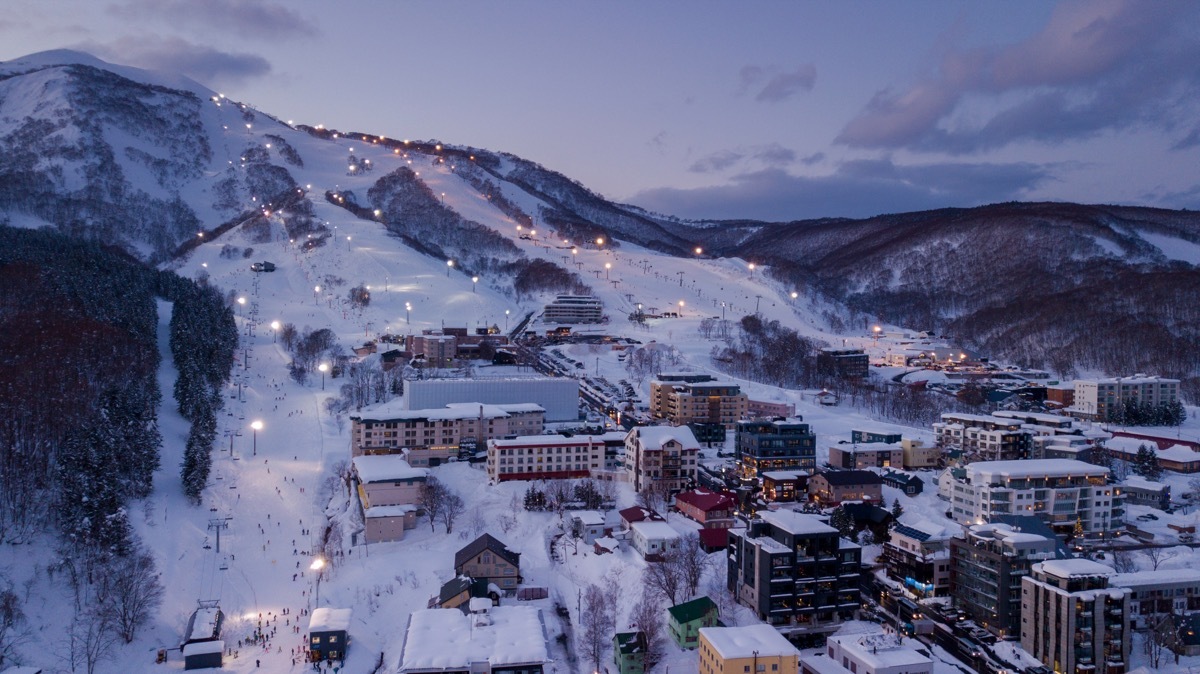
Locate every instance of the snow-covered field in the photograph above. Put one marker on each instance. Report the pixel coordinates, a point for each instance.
(272, 490)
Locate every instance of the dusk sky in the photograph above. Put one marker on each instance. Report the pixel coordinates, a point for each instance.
(766, 110)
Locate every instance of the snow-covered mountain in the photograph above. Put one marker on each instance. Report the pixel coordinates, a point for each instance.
(154, 163)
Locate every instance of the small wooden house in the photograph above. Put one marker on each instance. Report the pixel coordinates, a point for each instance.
(489, 559)
(685, 620)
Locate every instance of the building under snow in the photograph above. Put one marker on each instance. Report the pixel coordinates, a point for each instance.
(488, 640)
(558, 396)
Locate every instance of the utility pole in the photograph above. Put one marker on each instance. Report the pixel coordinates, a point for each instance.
(217, 524)
(680, 278)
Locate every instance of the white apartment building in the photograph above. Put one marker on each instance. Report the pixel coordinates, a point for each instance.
(1099, 398)
(1061, 491)
(548, 457)
(388, 428)
(666, 455)
(574, 309)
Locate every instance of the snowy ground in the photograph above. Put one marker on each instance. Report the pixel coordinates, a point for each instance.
(271, 491)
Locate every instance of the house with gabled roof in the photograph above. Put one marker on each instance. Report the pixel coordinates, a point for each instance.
(906, 482)
(685, 620)
(630, 652)
(488, 559)
(831, 487)
(713, 510)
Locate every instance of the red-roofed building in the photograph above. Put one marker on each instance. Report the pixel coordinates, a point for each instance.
(712, 540)
(638, 514)
(711, 509)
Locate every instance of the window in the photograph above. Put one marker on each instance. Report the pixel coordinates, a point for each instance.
(316, 641)
(333, 638)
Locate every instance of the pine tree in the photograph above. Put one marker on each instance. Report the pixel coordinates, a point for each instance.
(897, 509)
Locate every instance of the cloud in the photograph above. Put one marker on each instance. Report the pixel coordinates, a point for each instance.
(1190, 140)
(772, 154)
(246, 18)
(855, 189)
(813, 158)
(778, 86)
(199, 62)
(717, 161)
(1094, 67)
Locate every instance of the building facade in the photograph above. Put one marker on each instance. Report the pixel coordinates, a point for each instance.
(918, 556)
(1154, 594)
(389, 429)
(1101, 398)
(685, 402)
(867, 455)
(795, 572)
(831, 487)
(754, 648)
(984, 438)
(1061, 492)
(547, 457)
(1073, 620)
(986, 568)
(876, 653)
(665, 456)
(763, 446)
(574, 309)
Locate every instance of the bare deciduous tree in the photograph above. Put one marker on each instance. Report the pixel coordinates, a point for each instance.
(597, 624)
(132, 592)
(12, 623)
(433, 495)
(652, 496)
(693, 563)
(647, 616)
(666, 577)
(452, 507)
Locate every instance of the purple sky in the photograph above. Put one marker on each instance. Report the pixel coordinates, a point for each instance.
(769, 110)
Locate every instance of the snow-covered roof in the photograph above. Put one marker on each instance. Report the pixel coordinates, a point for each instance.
(1035, 468)
(796, 523)
(386, 468)
(555, 440)
(478, 604)
(394, 411)
(327, 619)
(821, 664)
(441, 638)
(651, 530)
(1069, 568)
(389, 511)
(781, 475)
(589, 517)
(1179, 453)
(746, 642)
(1142, 483)
(654, 437)
(194, 648)
(867, 447)
(879, 651)
(1159, 577)
(205, 623)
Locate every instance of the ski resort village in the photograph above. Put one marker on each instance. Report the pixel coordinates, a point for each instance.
(412, 407)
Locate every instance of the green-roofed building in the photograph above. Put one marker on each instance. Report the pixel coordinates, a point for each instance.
(630, 652)
(686, 619)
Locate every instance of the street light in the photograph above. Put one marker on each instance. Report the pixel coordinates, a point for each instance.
(323, 367)
(474, 280)
(407, 313)
(699, 250)
(274, 330)
(506, 320)
(256, 426)
(751, 269)
(316, 293)
(600, 241)
(795, 294)
(449, 265)
(681, 308)
(318, 565)
(607, 268)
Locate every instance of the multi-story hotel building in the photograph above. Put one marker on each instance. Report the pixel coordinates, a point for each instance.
(1073, 620)
(663, 455)
(795, 572)
(918, 556)
(388, 429)
(985, 438)
(548, 457)
(1154, 594)
(764, 446)
(986, 568)
(1059, 491)
(574, 309)
(697, 401)
(1100, 398)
